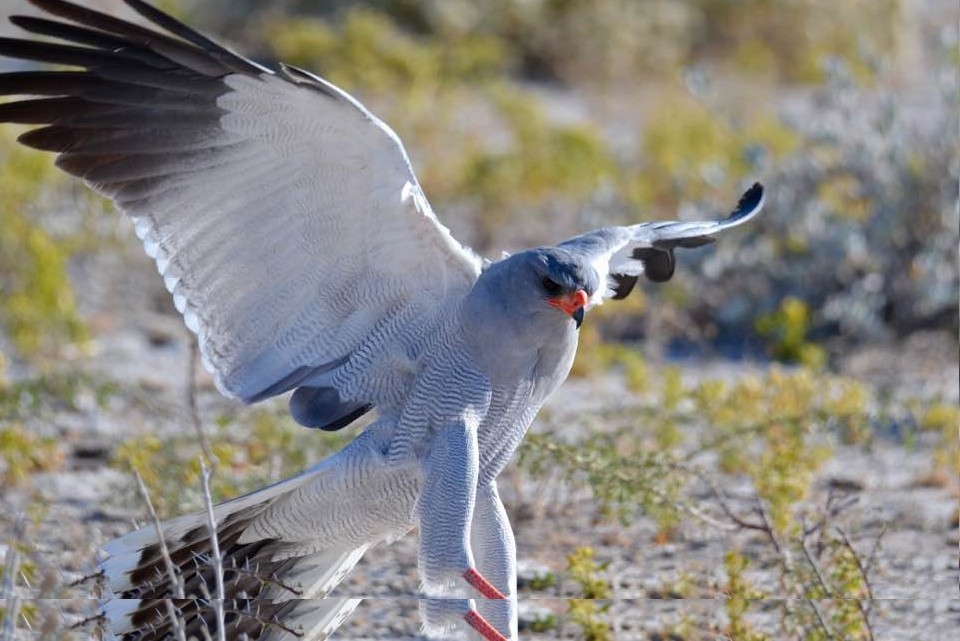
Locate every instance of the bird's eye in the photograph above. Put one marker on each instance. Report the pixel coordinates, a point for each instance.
(550, 286)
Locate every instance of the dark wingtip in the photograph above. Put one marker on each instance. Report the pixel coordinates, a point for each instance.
(624, 284)
(749, 202)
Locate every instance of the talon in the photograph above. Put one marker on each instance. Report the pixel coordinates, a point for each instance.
(481, 625)
(482, 586)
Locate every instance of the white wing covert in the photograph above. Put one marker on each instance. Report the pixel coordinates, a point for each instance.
(285, 218)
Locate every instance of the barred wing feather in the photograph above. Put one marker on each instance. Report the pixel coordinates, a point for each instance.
(283, 216)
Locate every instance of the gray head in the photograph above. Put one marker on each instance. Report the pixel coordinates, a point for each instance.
(552, 283)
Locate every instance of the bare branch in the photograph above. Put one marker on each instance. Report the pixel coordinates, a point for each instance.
(823, 623)
(246, 571)
(864, 609)
(10, 615)
(216, 559)
(10, 572)
(856, 557)
(270, 623)
(767, 529)
(873, 551)
(176, 584)
(721, 499)
(192, 403)
(176, 622)
(816, 569)
(97, 576)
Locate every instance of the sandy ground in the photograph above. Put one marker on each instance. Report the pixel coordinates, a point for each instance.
(916, 573)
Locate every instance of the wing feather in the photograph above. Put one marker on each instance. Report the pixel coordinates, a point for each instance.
(284, 217)
(620, 255)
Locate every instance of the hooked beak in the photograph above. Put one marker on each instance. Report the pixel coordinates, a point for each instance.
(578, 316)
(571, 304)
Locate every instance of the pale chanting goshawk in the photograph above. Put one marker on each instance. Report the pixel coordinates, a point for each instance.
(287, 223)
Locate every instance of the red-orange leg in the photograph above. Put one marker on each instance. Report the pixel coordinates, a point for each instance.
(484, 587)
(483, 626)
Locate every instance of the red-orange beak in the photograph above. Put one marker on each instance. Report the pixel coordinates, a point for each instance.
(571, 304)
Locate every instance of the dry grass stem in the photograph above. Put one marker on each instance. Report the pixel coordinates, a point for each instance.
(215, 558)
(192, 406)
(176, 585)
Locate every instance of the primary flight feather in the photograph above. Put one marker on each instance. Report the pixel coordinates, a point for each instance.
(288, 225)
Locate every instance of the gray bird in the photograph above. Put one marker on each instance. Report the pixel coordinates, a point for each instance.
(288, 225)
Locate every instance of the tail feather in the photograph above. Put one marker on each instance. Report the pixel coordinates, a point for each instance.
(136, 557)
(259, 620)
(273, 588)
(178, 527)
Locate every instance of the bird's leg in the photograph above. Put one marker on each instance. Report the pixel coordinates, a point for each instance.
(442, 615)
(446, 512)
(476, 621)
(484, 587)
(493, 547)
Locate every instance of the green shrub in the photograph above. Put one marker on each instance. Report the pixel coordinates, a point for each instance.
(259, 447)
(585, 612)
(37, 307)
(23, 454)
(739, 598)
(786, 330)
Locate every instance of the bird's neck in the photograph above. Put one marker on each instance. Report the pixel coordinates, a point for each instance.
(512, 347)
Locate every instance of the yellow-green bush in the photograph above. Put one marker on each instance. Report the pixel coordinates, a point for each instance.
(690, 154)
(786, 330)
(792, 40)
(776, 430)
(588, 575)
(37, 307)
(772, 429)
(739, 597)
(944, 418)
(368, 51)
(23, 454)
(260, 447)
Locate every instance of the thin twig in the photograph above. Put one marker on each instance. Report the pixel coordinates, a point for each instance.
(873, 551)
(175, 621)
(216, 559)
(864, 609)
(98, 618)
(12, 560)
(192, 403)
(721, 499)
(10, 615)
(271, 622)
(706, 518)
(247, 572)
(856, 557)
(816, 569)
(11, 570)
(176, 585)
(97, 576)
(822, 621)
(767, 529)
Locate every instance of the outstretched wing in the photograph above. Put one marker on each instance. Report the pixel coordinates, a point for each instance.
(621, 254)
(284, 217)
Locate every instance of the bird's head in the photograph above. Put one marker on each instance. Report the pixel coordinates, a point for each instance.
(550, 282)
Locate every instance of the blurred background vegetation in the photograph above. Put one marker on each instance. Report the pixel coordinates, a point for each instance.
(529, 121)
